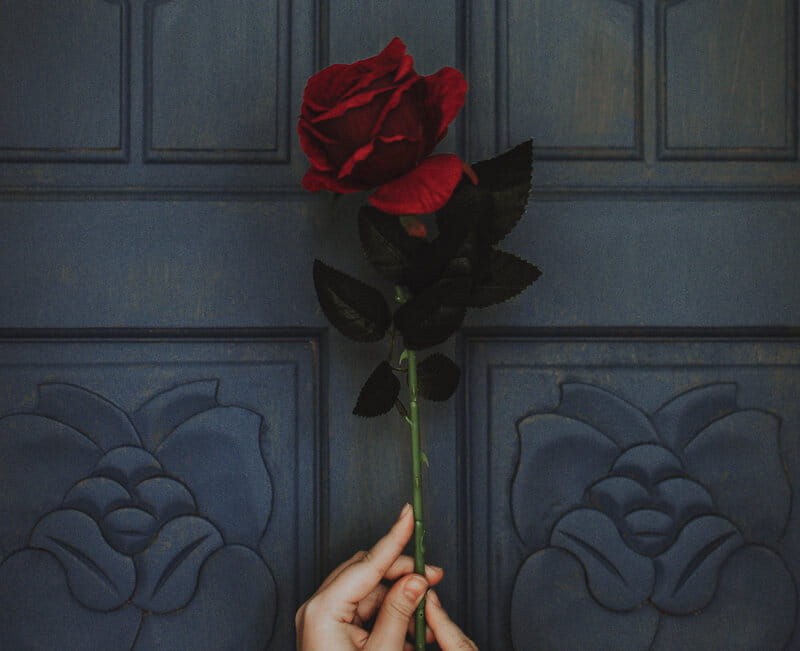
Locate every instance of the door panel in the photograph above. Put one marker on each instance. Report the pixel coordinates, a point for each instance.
(156, 250)
(633, 492)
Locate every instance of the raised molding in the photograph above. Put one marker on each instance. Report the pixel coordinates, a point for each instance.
(84, 151)
(244, 376)
(577, 151)
(514, 375)
(157, 146)
(750, 151)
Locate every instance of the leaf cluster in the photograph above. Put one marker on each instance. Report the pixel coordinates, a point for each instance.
(460, 268)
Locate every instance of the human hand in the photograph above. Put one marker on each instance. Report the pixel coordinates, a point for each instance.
(333, 618)
(445, 631)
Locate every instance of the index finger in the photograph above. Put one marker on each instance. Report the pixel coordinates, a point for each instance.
(358, 580)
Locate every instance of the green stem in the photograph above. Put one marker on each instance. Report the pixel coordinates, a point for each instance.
(416, 465)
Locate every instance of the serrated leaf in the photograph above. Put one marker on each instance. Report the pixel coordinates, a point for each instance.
(437, 377)
(505, 276)
(387, 245)
(431, 317)
(379, 392)
(354, 308)
(499, 200)
(508, 178)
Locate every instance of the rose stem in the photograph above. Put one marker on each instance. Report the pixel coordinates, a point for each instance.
(416, 467)
(416, 464)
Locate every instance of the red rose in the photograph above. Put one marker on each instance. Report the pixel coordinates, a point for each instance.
(374, 124)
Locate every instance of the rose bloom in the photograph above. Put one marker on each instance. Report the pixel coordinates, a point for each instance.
(374, 124)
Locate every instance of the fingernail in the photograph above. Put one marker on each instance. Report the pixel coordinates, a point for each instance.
(434, 568)
(415, 587)
(434, 598)
(406, 509)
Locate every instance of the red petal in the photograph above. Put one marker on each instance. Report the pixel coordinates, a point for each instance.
(359, 155)
(310, 143)
(446, 93)
(424, 189)
(392, 61)
(329, 86)
(323, 88)
(316, 180)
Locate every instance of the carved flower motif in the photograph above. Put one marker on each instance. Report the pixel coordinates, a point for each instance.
(651, 531)
(136, 530)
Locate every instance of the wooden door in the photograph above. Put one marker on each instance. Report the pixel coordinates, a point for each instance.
(179, 466)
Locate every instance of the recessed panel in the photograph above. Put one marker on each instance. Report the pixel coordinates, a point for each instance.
(728, 86)
(61, 80)
(217, 80)
(637, 494)
(574, 71)
(156, 493)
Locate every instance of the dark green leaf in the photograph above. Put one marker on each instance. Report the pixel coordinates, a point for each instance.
(505, 277)
(508, 177)
(499, 200)
(437, 377)
(379, 392)
(431, 317)
(354, 308)
(387, 245)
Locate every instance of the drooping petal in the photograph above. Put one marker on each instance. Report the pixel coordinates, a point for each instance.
(99, 576)
(89, 413)
(157, 417)
(559, 459)
(168, 570)
(686, 573)
(316, 180)
(234, 607)
(738, 459)
(424, 189)
(41, 460)
(754, 607)
(446, 91)
(618, 419)
(38, 611)
(217, 455)
(551, 608)
(618, 577)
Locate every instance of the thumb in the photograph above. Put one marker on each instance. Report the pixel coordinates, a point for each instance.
(396, 611)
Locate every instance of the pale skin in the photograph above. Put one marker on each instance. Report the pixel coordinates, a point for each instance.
(354, 594)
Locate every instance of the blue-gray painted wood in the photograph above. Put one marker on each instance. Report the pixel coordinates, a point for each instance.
(633, 493)
(153, 233)
(158, 492)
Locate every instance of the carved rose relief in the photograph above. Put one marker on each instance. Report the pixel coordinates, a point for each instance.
(651, 531)
(133, 532)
